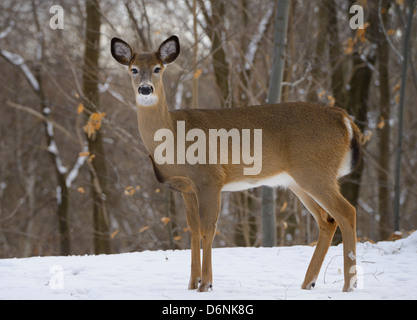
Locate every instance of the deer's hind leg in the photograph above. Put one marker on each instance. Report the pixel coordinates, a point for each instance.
(327, 195)
(327, 228)
(193, 221)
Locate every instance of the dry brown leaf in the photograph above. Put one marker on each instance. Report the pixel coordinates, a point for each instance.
(397, 98)
(130, 191)
(361, 33)
(165, 220)
(198, 73)
(381, 124)
(348, 46)
(144, 229)
(84, 154)
(177, 238)
(115, 232)
(321, 94)
(332, 100)
(94, 123)
(367, 136)
(80, 108)
(81, 190)
(284, 206)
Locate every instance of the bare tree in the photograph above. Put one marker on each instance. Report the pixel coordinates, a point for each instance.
(384, 203)
(98, 170)
(64, 177)
(274, 96)
(50, 180)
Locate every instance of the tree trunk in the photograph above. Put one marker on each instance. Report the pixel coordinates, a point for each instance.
(316, 70)
(399, 151)
(384, 199)
(62, 211)
(62, 196)
(220, 65)
(194, 103)
(274, 96)
(335, 52)
(98, 168)
(357, 106)
(357, 103)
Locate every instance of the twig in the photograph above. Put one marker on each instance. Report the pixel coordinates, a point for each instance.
(43, 118)
(325, 271)
(386, 34)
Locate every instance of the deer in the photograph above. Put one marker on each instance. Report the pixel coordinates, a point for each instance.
(306, 148)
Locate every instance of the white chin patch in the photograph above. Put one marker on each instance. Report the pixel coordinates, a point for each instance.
(146, 101)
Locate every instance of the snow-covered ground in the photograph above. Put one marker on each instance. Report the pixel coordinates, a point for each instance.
(389, 271)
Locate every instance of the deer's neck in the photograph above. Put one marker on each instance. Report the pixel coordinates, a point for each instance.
(151, 119)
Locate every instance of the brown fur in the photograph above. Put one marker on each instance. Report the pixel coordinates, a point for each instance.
(306, 141)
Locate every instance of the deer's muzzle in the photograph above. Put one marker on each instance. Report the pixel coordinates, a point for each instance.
(145, 90)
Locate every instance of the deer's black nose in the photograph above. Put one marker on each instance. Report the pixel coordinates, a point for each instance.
(145, 90)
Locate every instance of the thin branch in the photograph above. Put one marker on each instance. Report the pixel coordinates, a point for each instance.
(139, 31)
(5, 32)
(385, 32)
(43, 118)
(17, 60)
(73, 173)
(254, 43)
(148, 25)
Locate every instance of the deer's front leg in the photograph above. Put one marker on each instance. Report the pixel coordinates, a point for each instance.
(207, 272)
(193, 221)
(195, 277)
(209, 207)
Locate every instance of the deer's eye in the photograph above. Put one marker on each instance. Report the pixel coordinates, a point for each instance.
(157, 70)
(135, 71)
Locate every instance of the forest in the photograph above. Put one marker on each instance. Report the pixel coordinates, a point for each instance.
(75, 177)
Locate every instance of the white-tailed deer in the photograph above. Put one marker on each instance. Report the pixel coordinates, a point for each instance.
(305, 147)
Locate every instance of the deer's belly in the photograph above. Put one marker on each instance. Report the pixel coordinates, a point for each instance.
(279, 180)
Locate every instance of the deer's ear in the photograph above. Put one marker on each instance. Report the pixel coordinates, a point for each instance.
(169, 50)
(121, 51)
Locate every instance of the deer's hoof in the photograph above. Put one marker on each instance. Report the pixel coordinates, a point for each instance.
(205, 287)
(194, 284)
(308, 286)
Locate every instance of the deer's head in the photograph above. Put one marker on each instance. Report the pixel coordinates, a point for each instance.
(146, 68)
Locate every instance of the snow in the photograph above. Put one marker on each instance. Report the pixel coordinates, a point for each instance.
(58, 195)
(39, 48)
(52, 148)
(5, 33)
(73, 174)
(117, 95)
(178, 97)
(46, 111)
(18, 61)
(253, 45)
(388, 271)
